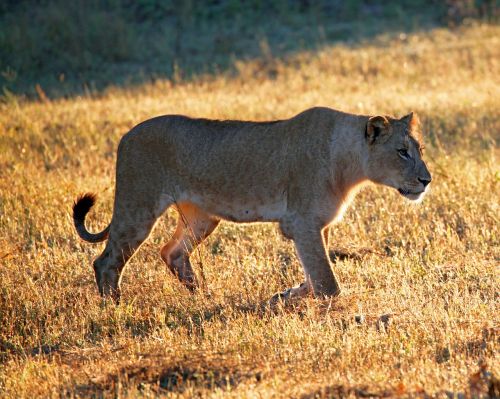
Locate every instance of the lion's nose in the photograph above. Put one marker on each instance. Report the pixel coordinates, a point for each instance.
(424, 181)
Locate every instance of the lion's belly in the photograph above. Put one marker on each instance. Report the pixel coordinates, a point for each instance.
(242, 210)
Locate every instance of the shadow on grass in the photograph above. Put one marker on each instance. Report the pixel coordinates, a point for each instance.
(481, 384)
(343, 391)
(159, 375)
(342, 254)
(58, 49)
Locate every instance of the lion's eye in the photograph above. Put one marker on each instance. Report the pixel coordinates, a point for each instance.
(403, 153)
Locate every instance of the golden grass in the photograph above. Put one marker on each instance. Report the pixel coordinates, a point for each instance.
(433, 268)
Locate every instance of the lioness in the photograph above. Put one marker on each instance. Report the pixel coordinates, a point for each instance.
(300, 172)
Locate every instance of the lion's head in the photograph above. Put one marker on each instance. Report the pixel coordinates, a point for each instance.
(395, 155)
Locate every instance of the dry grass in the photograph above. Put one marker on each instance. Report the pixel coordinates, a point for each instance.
(433, 268)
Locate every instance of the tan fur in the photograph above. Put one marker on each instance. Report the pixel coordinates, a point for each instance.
(300, 172)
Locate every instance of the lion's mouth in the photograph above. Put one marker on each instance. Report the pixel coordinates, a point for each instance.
(413, 195)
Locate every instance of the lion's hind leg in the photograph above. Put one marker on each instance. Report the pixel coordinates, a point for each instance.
(132, 222)
(123, 242)
(193, 226)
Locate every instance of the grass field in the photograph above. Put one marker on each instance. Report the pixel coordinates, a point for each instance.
(431, 269)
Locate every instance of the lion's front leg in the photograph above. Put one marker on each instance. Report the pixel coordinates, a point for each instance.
(310, 246)
(310, 243)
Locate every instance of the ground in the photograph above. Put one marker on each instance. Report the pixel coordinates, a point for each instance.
(419, 310)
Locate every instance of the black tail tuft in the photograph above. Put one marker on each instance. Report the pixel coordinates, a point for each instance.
(82, 206)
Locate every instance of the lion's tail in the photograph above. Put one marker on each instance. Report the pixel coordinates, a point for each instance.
(80, 209)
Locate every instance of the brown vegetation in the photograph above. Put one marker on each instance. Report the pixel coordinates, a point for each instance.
(419, 311)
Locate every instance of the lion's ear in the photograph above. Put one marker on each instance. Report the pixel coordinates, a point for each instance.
(377, 128)
(411, 120)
